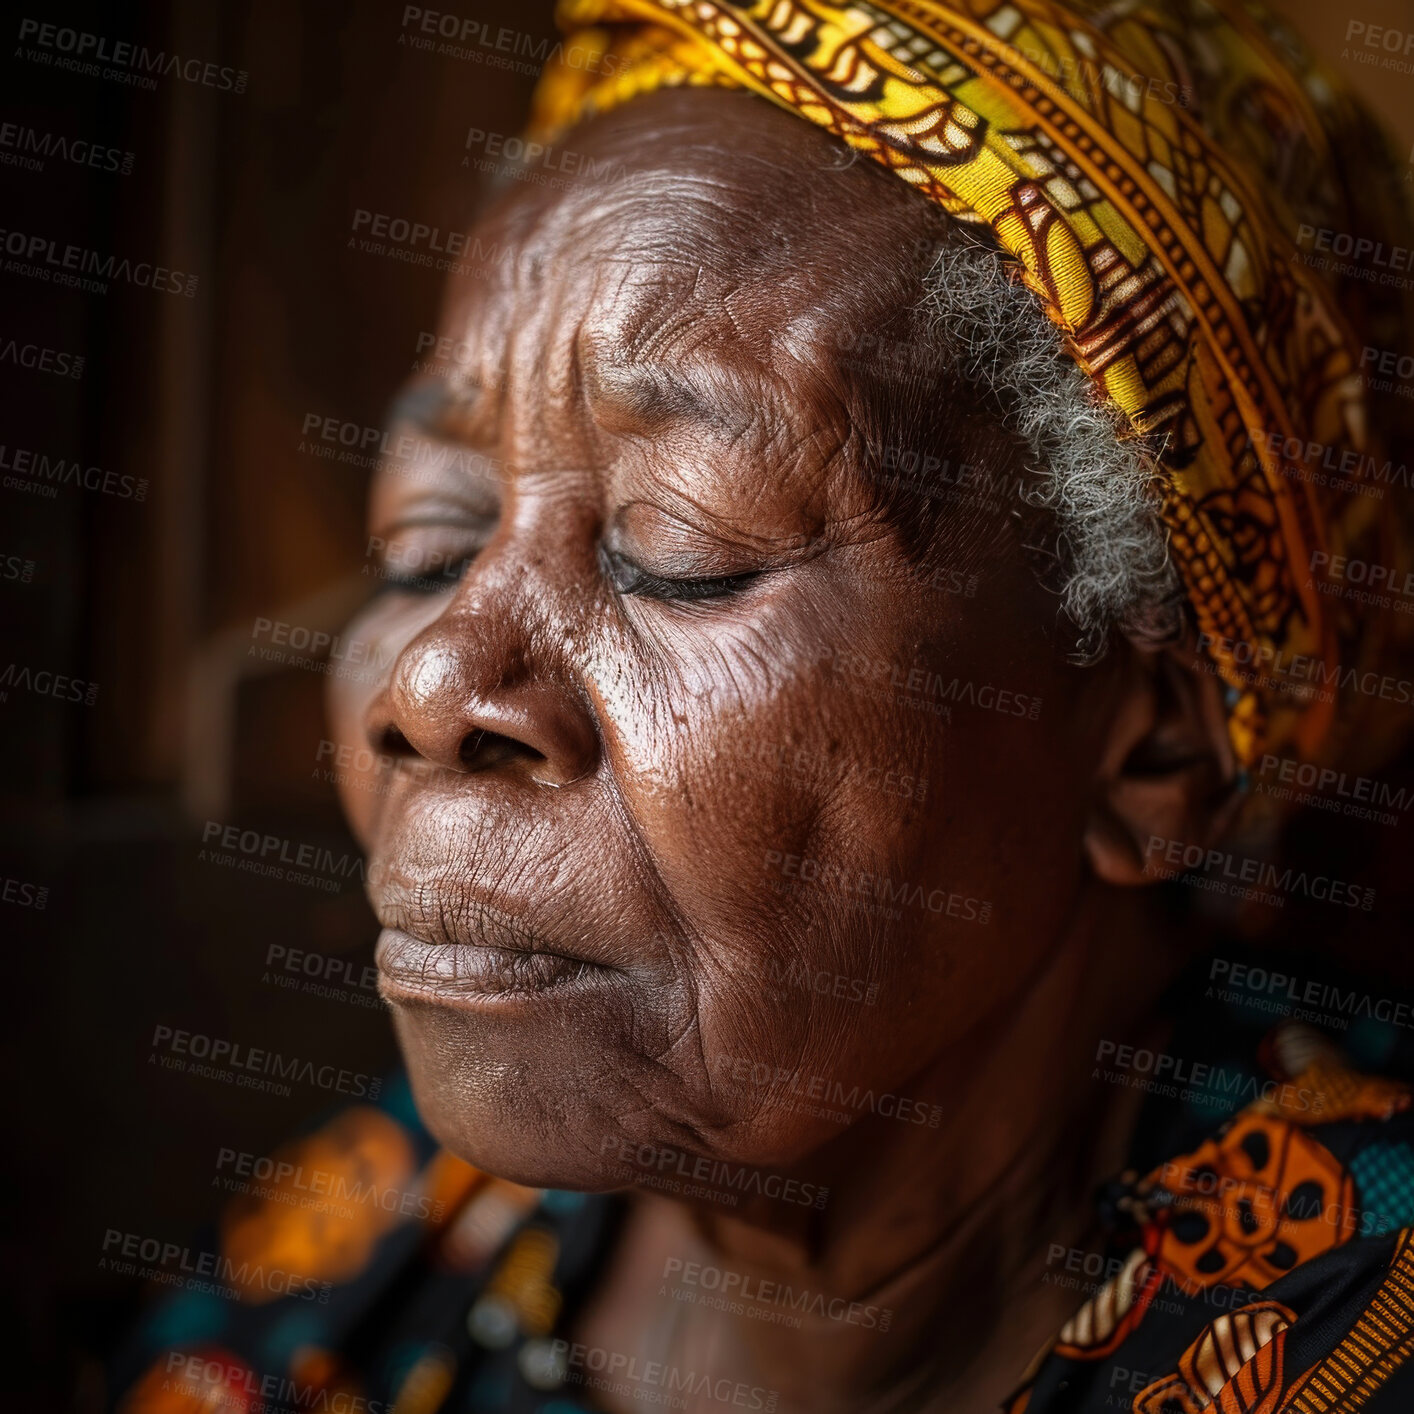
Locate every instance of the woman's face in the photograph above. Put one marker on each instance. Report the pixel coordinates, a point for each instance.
(694, 785)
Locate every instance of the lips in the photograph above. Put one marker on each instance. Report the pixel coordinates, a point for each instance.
(481, 901)
(440, 945)
(414, 969)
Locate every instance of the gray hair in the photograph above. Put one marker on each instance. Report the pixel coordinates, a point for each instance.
(1098, 482)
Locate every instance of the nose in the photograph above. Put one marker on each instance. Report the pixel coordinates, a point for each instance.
(468, 694)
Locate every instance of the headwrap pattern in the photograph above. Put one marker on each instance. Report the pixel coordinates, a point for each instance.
(1159, 177)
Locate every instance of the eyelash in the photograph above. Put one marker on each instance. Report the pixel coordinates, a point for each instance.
(628, 578)
(624, 575)
(425, 583)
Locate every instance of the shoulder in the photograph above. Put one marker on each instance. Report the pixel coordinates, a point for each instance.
(1270, 1268)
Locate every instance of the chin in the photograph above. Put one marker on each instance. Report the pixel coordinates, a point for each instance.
(514, 1111)
(523, 1103)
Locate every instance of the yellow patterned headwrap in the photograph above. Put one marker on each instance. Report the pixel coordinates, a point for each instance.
(1184, 191)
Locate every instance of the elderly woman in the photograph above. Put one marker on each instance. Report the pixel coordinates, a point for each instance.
(881, 519)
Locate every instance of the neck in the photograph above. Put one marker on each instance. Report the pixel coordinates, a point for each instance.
(945, 1228)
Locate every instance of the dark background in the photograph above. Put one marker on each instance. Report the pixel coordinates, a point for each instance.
(156, 601)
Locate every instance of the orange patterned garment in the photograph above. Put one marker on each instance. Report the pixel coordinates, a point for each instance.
(1237, 1293)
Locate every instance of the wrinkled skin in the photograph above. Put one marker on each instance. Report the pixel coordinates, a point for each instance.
(603, 785)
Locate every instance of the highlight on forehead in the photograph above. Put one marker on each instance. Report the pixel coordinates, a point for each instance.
(649, 336)
(742, 288)
(722, 180)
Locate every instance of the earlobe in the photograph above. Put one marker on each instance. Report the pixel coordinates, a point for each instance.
(1167, 776)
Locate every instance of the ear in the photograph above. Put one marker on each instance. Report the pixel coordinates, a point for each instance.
(1167, 771)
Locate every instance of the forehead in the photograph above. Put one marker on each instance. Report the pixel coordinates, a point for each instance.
(709, 234)
(723, 292)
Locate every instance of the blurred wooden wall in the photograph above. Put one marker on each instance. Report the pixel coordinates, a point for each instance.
(155, 602)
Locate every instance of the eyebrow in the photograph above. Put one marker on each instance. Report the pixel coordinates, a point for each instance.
(649, 393)
(654, 396)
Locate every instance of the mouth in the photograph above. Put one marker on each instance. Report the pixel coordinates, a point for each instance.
(411, 969)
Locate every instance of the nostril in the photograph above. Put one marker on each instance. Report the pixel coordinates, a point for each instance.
(482, 750)
(391, 742)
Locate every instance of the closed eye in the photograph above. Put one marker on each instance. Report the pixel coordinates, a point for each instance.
(629, 578)
(430, 582)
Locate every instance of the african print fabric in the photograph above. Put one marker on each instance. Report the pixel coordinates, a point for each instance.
(1171, 182)
(361, 1270)
(1268, 1271)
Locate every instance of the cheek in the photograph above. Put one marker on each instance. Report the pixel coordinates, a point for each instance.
(789, 816)
(1009, 790)
(1005, 831)
(870, 851)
